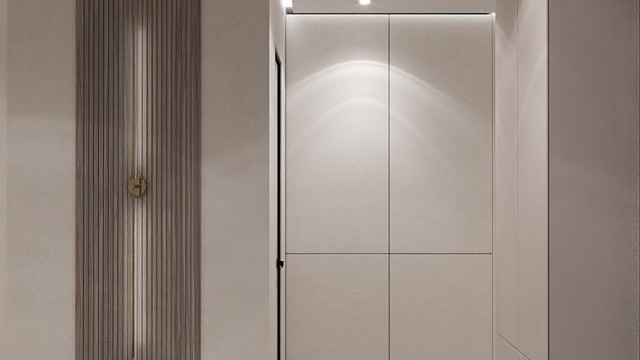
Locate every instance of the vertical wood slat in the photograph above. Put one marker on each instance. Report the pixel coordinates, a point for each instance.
(138, 106)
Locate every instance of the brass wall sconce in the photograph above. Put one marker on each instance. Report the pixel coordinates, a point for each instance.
(137, 186)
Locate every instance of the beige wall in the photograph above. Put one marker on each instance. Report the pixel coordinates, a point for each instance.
(506, 170)
(593, 179)
(237, 179)
(277, 27)
(521, 177)
(41, 179)
(533, 179)
(237, 294)
(3, 174)
(591, 299)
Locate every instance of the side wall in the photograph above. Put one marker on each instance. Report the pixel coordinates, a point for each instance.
(3, 175)
(593, 171)
(506, 181)
(41, 179)
(277, 44)
(238, 262)
(593, 179)
(521, 205)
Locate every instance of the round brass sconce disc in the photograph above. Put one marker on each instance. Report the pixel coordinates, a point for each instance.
(137, 186)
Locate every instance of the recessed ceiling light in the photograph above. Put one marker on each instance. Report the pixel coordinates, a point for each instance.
(365, 2)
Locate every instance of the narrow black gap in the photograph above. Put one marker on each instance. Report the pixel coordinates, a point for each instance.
(280, 261)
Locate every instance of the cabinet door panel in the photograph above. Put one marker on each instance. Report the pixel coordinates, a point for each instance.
(337, 134)
(337, 307)
(441, 307)
(441, 97)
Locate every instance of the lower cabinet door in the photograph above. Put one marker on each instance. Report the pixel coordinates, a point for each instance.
(337, 307)
(441, 307)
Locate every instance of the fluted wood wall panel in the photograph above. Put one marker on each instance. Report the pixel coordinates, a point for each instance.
(138, 263)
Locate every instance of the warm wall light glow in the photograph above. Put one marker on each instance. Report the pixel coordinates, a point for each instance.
(365, 2)
(288, 4)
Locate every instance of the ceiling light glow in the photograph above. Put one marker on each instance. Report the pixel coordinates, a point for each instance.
(365, 2)
(288, 4)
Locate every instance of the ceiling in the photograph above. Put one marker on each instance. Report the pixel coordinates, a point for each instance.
(393, 6)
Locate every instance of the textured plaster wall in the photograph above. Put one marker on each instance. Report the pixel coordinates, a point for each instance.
(40, 180)
(3, 175)
(238, 259)
(593, 179)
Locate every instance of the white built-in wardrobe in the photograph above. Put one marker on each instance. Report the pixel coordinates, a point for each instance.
(389, 153)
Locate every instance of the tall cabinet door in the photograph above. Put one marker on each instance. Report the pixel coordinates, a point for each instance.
(441, 133)
(337, 134)
(441, 100)
(337, 188)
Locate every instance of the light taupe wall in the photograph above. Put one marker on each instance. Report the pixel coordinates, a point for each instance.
(532, 179)
(235, 178)
(506, 170)
(41, 179)
(277, 27)
(593, 179)
(237, 234)
(593, 110)
(3, 174)
(522, 176)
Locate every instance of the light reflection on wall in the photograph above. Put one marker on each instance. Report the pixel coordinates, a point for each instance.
(139, 127)
(358, 81)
